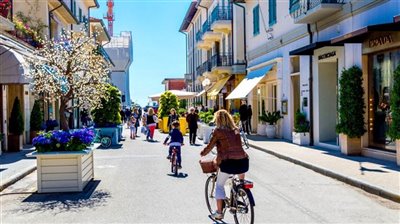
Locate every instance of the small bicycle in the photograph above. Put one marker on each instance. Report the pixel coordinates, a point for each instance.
(240, 202)
(174, 161)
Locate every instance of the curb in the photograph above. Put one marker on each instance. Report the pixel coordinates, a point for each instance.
(16, 178)
(330, 173)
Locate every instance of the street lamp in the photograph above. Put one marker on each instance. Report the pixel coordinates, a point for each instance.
(206, 82)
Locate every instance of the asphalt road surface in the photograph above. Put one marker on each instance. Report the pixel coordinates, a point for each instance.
(133, 185)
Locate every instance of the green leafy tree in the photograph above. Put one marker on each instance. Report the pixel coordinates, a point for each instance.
(351, 103)
(168, 101)
(301, 125)
(16, 126)
(36, 117)
(108, 114)
(394, 129)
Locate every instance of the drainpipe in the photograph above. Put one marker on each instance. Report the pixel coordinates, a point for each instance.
(50, 16)
(244, 32)
(310, 80)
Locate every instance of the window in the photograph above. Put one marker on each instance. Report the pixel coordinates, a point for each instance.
(256, 20)
(272, 12)
(74, 9)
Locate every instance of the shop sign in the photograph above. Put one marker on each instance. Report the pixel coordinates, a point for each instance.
(327, 55)
(381, 40)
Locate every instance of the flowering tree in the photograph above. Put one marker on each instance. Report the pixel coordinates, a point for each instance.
(70, 68)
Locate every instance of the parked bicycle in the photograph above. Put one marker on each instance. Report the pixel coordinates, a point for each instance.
(240, 202)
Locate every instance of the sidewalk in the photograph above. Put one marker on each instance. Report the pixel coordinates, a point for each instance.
(372, 175)
(14, 166)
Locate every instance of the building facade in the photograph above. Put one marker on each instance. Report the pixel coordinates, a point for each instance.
(174, 84)
(120, 50)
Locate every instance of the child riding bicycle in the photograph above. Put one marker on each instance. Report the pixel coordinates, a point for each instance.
(176, 142)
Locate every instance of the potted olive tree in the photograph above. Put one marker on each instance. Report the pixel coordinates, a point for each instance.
(16, 127)
(271, 118)
(394, 128)
(351, 124)
(36, 121)
(301, 134)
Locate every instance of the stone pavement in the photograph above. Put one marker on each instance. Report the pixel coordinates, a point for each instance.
(15, 165)
(372, 175)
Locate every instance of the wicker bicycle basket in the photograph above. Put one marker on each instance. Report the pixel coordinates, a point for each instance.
(208, 165)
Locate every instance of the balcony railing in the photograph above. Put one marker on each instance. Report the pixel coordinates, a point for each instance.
(221, 60)
(299, 8)
(221, 13)
(205, 67)
(6, 7)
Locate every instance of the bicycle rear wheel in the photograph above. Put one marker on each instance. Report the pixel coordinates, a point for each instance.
(244, 208)
(210, 193)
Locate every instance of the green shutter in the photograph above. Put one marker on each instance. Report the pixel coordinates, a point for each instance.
(80, 15)
(256, 20)
(272, 12)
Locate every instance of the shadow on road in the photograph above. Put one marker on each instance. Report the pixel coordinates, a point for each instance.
(113, 147)
(89, 198)
(217, 221)
(180, 175)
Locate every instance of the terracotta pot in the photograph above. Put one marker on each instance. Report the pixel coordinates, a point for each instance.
(350, 146)
(14, 143)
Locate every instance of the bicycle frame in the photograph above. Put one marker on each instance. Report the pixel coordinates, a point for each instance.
(174, 161)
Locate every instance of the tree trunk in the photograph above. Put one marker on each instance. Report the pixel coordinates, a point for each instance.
(63, 120)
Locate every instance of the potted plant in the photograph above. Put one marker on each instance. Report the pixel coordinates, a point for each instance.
(16, 127)
(271, 118)
(301, 135)
(351, 111)
(168, 101)
(262, 126)
(36, 120)
(107, 118)
(64, 160)
(394, 128)
(207, 117)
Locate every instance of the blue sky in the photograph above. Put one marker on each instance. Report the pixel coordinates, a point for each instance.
(158, 47)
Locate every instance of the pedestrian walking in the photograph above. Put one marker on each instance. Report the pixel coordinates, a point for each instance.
(173, 116)
(249, 116)
(132, 127)
(128, 113)
(136, 115)
(122, 113)
(243, 116)
(150, 120)
(192, 119)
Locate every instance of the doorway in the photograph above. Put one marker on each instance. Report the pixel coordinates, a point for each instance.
(295, 96)
(328, 102)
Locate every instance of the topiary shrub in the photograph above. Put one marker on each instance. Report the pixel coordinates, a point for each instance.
(108, 115)
(301, 125)
(16, 126)
(351, 103)
(168, 101)
(36, 122)
(394, 128)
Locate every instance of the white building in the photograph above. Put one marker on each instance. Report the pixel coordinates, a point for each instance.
(120, 51)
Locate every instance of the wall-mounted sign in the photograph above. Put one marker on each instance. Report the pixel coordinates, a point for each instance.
(381, 40)
(269, 31)
(284, 107)
(327, 55)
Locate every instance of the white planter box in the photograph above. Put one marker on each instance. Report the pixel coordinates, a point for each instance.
(301, 138)
(270, 131)
(398, 152)
(207, 130)
(349, 146)
(200, 131)
(261, 129)
(63, 171)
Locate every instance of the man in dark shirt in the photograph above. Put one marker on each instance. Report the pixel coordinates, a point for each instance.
(192, 119)
(249, 115)
(243, 116)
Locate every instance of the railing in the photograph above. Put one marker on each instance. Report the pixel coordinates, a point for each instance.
(6, 7)
(205, 67)
(221, 13)
(299, 7)
(221, 60)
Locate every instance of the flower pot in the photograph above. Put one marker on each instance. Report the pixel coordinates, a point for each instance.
(349, 146)
(120, 129)
(183, 125)
(398, 151)
(301, 138)
(63, 171)
(199, 131)
(270, 131)
(110, 132)
(32, 135)
(14, 143)
(165, 125)
(261, 129)
(207, 130)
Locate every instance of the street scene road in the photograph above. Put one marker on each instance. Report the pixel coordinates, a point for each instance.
(133, 185)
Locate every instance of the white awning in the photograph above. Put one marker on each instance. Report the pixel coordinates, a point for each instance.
(248, 83)
(182, 95)
(12, 67)
(201, 93)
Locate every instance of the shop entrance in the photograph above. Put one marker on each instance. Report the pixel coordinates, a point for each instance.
(328, 102)
(295, 95)
(381, 81)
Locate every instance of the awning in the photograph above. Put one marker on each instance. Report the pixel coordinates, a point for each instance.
(359, 36)
(12, 67)
(309, 49)
(201, 93)
(182, 95)
(216, 88)
(248, 83)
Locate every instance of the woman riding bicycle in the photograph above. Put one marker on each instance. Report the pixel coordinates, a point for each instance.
(231, 157)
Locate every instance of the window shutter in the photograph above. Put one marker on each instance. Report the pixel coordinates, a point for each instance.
(256, 20)
(272, 12)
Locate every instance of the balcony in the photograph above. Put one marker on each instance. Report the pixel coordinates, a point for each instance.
(221, 19)
(310, 11)
(6, 15)
(205, 67)
(221, 63)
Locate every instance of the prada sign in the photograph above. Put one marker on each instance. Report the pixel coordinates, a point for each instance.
(381, 40)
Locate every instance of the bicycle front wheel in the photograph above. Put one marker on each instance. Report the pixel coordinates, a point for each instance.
(244, 208)
(245, 141)
(210, 193)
